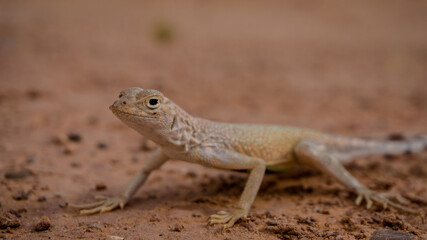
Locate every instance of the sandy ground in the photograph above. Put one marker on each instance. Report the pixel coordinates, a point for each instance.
(345, 68)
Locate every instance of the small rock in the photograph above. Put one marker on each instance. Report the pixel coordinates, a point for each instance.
(75, 165)
(115, 238)
(396, 137)
(177, 228)
(63, 204)
(74, 137)
(308, 220)
(15, 213)
(95, 226)
(9, 220)
(19, 174)
(102, 145)
(100, 187)
(41, 199)
(33, 94)
(196, 215)
(31, 159)
(387, 234)
(21, 210)
(21, 195)
(43, 224)
(273, 222)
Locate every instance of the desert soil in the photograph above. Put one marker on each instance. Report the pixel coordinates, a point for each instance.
(355, 68)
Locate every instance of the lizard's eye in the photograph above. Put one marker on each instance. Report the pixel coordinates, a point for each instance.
(153, 103)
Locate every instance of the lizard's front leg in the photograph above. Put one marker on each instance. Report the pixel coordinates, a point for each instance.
(316, 154)
(232, 160)
(105, 204)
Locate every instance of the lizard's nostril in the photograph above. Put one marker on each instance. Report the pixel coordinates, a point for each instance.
(124, 102)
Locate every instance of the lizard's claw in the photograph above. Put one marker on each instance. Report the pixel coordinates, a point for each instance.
(226, 218)
(383, 198)
(102, 204)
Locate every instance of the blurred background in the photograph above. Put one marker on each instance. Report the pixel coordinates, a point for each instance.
(348, 67)
(213, 57)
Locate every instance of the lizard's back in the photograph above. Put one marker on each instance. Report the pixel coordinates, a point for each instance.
(274, 144)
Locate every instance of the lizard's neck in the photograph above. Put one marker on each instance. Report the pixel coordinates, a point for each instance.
(181, 132)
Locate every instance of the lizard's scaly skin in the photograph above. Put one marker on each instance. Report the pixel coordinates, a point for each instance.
(239, 147)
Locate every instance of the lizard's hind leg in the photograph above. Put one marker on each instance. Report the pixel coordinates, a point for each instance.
(317, 154)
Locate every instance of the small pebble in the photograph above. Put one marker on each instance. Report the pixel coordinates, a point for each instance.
(31, 159)
(396, 137)
(63, 204)
(41, 199)
(100, 187)
(75, 165)
(19, 174)
(74, 137)
(102, 145)
(11, 211)
(273, 222)
(21, 195)
(33, 94)
(196, 215)
(43, 224)
(177, 228)
(115, 238)
(95, 226)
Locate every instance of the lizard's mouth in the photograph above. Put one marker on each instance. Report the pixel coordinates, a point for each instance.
(123, 114)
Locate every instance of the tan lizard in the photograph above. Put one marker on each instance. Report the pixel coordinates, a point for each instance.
(240, 147)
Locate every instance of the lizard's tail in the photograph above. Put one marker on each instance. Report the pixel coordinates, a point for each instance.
(347, 148)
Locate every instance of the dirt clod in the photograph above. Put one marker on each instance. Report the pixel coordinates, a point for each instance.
(177, 228)
(43, 224)
(272, 222)
(63, 204)
(8, 219)
(18, 174)
(102, 145)
(100, 187)
(21, 195)
(41, 199)
(74, 137)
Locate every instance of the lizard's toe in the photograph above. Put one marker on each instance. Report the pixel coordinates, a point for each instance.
(383, 199)
(226, 218)
(103, 204)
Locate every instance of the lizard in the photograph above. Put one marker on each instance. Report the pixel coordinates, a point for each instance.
(250, 147)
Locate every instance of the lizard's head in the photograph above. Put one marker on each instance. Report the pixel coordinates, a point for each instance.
(145, 110)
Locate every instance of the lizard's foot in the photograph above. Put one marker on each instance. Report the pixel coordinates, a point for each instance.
(383, 198)
(227, 218)
(102, 204)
